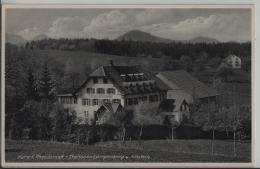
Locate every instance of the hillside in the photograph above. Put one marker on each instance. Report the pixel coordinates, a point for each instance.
(40, 37)
(83, 63)
(202, 39)
(14, 39)
(141, 36)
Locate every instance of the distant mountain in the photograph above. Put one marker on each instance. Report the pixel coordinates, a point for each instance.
(202, 39)
(40, 37)
(137, 35)
(15, 39)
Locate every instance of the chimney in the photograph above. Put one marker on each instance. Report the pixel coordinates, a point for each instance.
(111, 62)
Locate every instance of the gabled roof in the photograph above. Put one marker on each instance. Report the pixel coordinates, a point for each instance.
(112, 107)
(186, 82)
(114, 74)
(98, 72)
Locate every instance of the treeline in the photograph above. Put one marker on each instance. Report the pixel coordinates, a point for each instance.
(134, 48)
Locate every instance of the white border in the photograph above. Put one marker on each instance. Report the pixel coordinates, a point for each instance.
(197, 5)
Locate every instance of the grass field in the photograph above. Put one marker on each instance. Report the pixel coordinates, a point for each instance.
(130, 151)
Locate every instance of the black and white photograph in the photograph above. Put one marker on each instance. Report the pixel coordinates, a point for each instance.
(127, 84)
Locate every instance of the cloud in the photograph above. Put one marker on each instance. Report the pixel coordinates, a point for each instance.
(160, 22)
(29, 33)
(67, 27)
(222, 27)
(108, 25)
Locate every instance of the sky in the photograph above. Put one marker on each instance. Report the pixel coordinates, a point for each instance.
(227, 24)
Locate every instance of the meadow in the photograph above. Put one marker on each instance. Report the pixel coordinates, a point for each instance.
(129, 151)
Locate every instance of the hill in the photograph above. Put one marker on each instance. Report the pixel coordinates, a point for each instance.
(15, 39)
(137, 35)
(40, 37)
(202, 39)
(82, 62)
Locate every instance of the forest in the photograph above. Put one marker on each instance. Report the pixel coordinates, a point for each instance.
(37, 72)
(134, 48)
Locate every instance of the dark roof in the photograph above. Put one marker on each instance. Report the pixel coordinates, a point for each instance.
(119, 74)
(161, 84)
(188, 83)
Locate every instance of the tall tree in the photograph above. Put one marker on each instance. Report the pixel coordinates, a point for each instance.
(47, 85)
(47, 90)
(32, 92)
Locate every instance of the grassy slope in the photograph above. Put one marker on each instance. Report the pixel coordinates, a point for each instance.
(158, 151)
(80, 59)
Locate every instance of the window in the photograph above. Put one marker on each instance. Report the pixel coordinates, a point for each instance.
(237, 63)
(86, 115)
(105, 80)
(100, 91)
(156, 98)
(75, 100)
(90, 90)
(95, 102)
(111, 91)
(66, 100)
(88, 102)
(95, 80)
(84, 102)
(143, 98)
(116, 100)
(130, 101)
(151, 99)
(135, 101)
(140, 77)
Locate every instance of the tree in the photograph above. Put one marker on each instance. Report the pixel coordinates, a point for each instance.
(170, 122)
(143, 115)
(47, 85)
(225, 73)
(32, 91)
(215, 62)
(47, 91)
(186, 61)
(62, 123)
(30, 117)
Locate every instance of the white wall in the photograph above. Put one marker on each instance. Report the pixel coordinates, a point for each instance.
(82, 94)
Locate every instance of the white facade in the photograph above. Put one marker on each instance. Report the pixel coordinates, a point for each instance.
(98, 89)
(233, 61)
(88, 103)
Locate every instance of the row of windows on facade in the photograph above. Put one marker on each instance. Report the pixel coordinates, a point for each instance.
(93, 102)
(237, 63)
(89, 102)
(152, 98)
(101, 91)
(68, 100)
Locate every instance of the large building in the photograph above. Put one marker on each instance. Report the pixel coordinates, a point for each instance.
(182, 89)
(124, 85)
